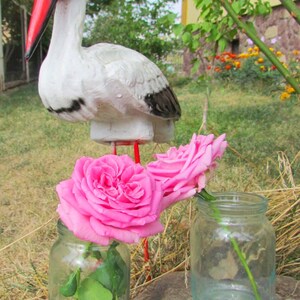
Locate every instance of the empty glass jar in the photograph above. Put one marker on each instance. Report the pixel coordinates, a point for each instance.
(84, 271)
(232, 249)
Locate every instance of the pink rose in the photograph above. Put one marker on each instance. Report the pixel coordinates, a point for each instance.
(182, 171)
(110, 198)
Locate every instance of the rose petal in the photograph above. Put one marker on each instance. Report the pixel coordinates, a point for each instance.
(79, 224)
(148, 230)
(176, 196)
(122, 235)
(219, 146)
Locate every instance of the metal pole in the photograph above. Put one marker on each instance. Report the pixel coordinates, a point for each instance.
(2, 75)
(24, 34)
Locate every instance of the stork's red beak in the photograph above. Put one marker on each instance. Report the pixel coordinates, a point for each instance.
(41, 12)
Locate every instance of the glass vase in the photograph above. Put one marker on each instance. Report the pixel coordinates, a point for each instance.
(85, 271)
(232, 249)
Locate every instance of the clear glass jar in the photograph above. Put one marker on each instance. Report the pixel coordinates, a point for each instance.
(229, 235)
(80, 270)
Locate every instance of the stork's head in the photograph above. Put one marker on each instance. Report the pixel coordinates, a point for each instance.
(41, 12)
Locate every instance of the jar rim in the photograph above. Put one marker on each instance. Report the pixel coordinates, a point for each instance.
(236, 201)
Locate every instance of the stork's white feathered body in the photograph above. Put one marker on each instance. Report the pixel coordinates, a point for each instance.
(123, 93)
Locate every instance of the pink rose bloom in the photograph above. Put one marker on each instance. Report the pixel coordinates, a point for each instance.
(182, 171)
(110, 198)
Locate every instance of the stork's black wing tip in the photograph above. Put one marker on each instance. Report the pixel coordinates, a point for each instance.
(164, 104)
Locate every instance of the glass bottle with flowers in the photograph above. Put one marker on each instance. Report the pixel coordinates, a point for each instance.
(107, 203)
(232, 242)
(112, 200)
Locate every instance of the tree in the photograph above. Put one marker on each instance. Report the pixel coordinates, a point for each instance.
(140, 25)
(220, 21)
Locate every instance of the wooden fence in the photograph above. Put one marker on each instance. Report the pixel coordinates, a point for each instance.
(14, 69)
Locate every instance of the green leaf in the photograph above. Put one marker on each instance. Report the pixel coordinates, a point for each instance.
(189, 27)
(206, 196)
(103, 274)
(202, 3)
(222, 43)
(96, 254)
(236, 6)
(206, 26)
(195, 45)
(118, 268)
(196, 66)
(178, 29)
(263, 8)
(251, 26)
(186, 37)
(112, 272)
(205, 13)
(171, 17)
(91, 289)
(70, 286)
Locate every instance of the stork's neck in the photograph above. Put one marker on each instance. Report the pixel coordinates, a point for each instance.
(68, 27)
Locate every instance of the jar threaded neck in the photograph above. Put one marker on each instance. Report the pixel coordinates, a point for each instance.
(235, 204)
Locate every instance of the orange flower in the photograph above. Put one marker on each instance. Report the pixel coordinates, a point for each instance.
(262, 68)
(243, 55)
(237, 64)
(228, 67)
(217, 69)
(296, 52)
(289, 89)
(279, 53)
(208, 67)
(250, 50)
(284, 96)
(256, 49)
(260, 60)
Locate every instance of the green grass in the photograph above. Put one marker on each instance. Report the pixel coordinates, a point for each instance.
(37, 151)
(257, 126)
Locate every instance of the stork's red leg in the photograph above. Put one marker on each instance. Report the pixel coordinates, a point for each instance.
(137, 159)
(114, 148)
(136, 149)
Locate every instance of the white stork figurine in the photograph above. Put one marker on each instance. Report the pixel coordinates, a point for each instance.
(124, 95)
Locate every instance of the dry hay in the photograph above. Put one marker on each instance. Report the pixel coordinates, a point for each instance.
(24, 261)
(170, 250)
(284, 211)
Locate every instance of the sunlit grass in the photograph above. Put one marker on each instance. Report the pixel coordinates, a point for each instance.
(37, 151)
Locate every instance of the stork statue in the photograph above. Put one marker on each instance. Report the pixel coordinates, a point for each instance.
(124, 95)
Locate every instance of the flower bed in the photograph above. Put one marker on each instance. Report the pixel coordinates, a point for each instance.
(251, 67)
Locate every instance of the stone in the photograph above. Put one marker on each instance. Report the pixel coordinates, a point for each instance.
(271, 32)
(169, 287)
(287, 288)
(175, 286)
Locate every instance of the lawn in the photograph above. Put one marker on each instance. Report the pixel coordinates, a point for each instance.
(37, 151)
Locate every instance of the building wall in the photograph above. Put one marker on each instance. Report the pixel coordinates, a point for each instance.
(278, 29)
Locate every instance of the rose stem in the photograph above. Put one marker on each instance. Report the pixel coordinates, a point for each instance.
(145, 242)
